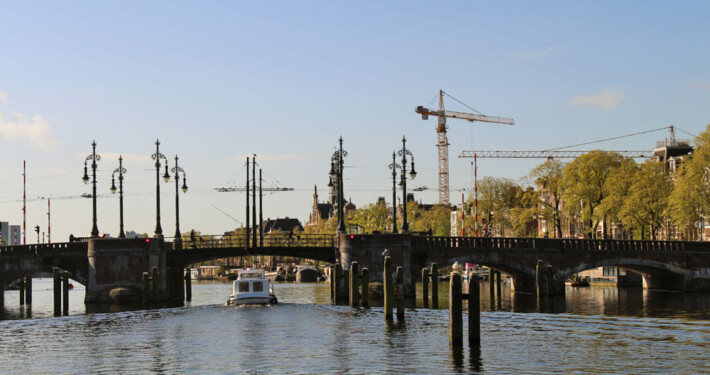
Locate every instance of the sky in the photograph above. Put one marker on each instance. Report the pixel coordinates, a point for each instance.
(216, 81)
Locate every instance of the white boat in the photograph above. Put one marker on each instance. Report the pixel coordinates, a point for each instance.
(252, 288)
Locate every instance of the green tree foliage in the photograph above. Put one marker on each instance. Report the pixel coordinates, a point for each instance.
(371, 218)
(548, 178)
(583, 181)
(437, 219)
(691, 193)
(647, 199)
(523, 216)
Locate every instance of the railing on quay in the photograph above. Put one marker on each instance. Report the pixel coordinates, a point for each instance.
(271, 240)
(564, 244)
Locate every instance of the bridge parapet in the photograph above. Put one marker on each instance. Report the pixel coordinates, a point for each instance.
(271, 240)
(559, 244)
(42, 249)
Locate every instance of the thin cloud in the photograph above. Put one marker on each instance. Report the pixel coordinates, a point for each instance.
(605, 100)
(3, 97)
(33, 130)
(538, 54)
(700, 85)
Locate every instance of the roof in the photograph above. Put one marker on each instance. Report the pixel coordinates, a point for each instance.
(281, 225)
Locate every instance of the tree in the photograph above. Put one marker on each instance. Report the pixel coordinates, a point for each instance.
(437, 219)
(498, 196)
(690, 197)
(583, 180)
(548, 177)
(647, 200)
(616, 190)
(373, 217)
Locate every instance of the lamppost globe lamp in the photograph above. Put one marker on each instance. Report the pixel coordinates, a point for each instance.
(86, 174)
(184, 185)
(166, 176)
(113, 185)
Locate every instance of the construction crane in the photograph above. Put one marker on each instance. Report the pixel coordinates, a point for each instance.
(442, 141)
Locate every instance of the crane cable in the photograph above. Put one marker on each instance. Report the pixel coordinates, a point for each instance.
(607, 139)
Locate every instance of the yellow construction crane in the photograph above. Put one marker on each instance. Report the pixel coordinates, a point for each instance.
(442, 141)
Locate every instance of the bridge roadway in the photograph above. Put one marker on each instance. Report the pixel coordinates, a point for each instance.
(106, 264)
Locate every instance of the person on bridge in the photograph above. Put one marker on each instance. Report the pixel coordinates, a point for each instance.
(290, 236)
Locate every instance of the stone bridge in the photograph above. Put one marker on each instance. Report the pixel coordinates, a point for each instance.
(674, 265)
(106, 266)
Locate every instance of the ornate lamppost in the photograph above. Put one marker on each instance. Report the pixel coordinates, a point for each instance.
(336, 170)
(94, 158)
(403, 153)
(394, 167)
(157, 156)
(120, 170)
(176, 171)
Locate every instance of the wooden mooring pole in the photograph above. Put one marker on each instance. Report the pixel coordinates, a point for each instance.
(455, 310)
(354, 284)
(65, 293)
(365, 288)
(539, 278)
(388, 289)
(337, 275)
(21, 286)
(57, 292)
(474, 311)
(434, 286)
(28, 289)
(188, 285)
(399, 291)
(155, 284)
(425, 288)
(146, 288)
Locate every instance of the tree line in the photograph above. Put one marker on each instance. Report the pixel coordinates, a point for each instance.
(583, 198)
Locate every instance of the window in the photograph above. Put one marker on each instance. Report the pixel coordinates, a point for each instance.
(243, 287)
(259, 286)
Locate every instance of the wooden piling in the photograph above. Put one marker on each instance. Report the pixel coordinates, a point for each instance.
(491, 285)
(332, 283)
(455, 310)
(499, 288)
(65, 294)
(146, 288)
(365, 288)
(399, 295)
(354, 284)
(388, 289)
(2, 300)
(337, 275)
(28, 289)
(434, 286)
(188, 285)
(539, 278)
(474, 311)
(425, 288)
(346, 286)
(21, 286)
(57, 292)
(550, 279)
(155, 284)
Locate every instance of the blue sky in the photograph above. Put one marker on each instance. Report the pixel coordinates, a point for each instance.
(219, 80)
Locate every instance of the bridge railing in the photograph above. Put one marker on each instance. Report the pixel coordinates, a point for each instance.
(271, 240)
(41, 249)
(565, 244)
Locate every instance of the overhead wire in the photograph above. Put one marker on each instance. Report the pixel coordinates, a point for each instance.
(607, 139)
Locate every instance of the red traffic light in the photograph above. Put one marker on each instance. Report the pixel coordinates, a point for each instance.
(352, 236)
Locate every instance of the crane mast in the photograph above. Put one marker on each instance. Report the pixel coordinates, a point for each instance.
(442, 142)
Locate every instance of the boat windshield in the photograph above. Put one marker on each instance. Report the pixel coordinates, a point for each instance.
(258, 286)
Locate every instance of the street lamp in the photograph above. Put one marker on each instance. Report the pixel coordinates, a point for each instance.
(176, 171)
(394, 167)
(157, 156)
(120, 170)
(403, 153)
(94, 158)
(336, 170)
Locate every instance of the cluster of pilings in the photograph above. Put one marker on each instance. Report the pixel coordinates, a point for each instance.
(351, 286)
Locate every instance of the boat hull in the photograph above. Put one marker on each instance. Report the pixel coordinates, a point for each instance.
(270, 300)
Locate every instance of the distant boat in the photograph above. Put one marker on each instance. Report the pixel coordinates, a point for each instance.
(252, 288)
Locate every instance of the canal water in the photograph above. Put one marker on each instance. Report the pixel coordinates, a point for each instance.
(592, 330)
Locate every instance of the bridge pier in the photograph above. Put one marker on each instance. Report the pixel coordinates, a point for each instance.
(368, 250)
(116, 269)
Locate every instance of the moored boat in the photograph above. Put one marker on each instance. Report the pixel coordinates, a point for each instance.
(252, 288)
(307, 274)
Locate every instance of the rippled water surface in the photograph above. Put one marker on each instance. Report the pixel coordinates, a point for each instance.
(592, 330)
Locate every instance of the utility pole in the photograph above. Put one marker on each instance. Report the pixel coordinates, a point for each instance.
(247, 233)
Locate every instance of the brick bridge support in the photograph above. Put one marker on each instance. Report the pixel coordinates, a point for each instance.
(116, 269)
